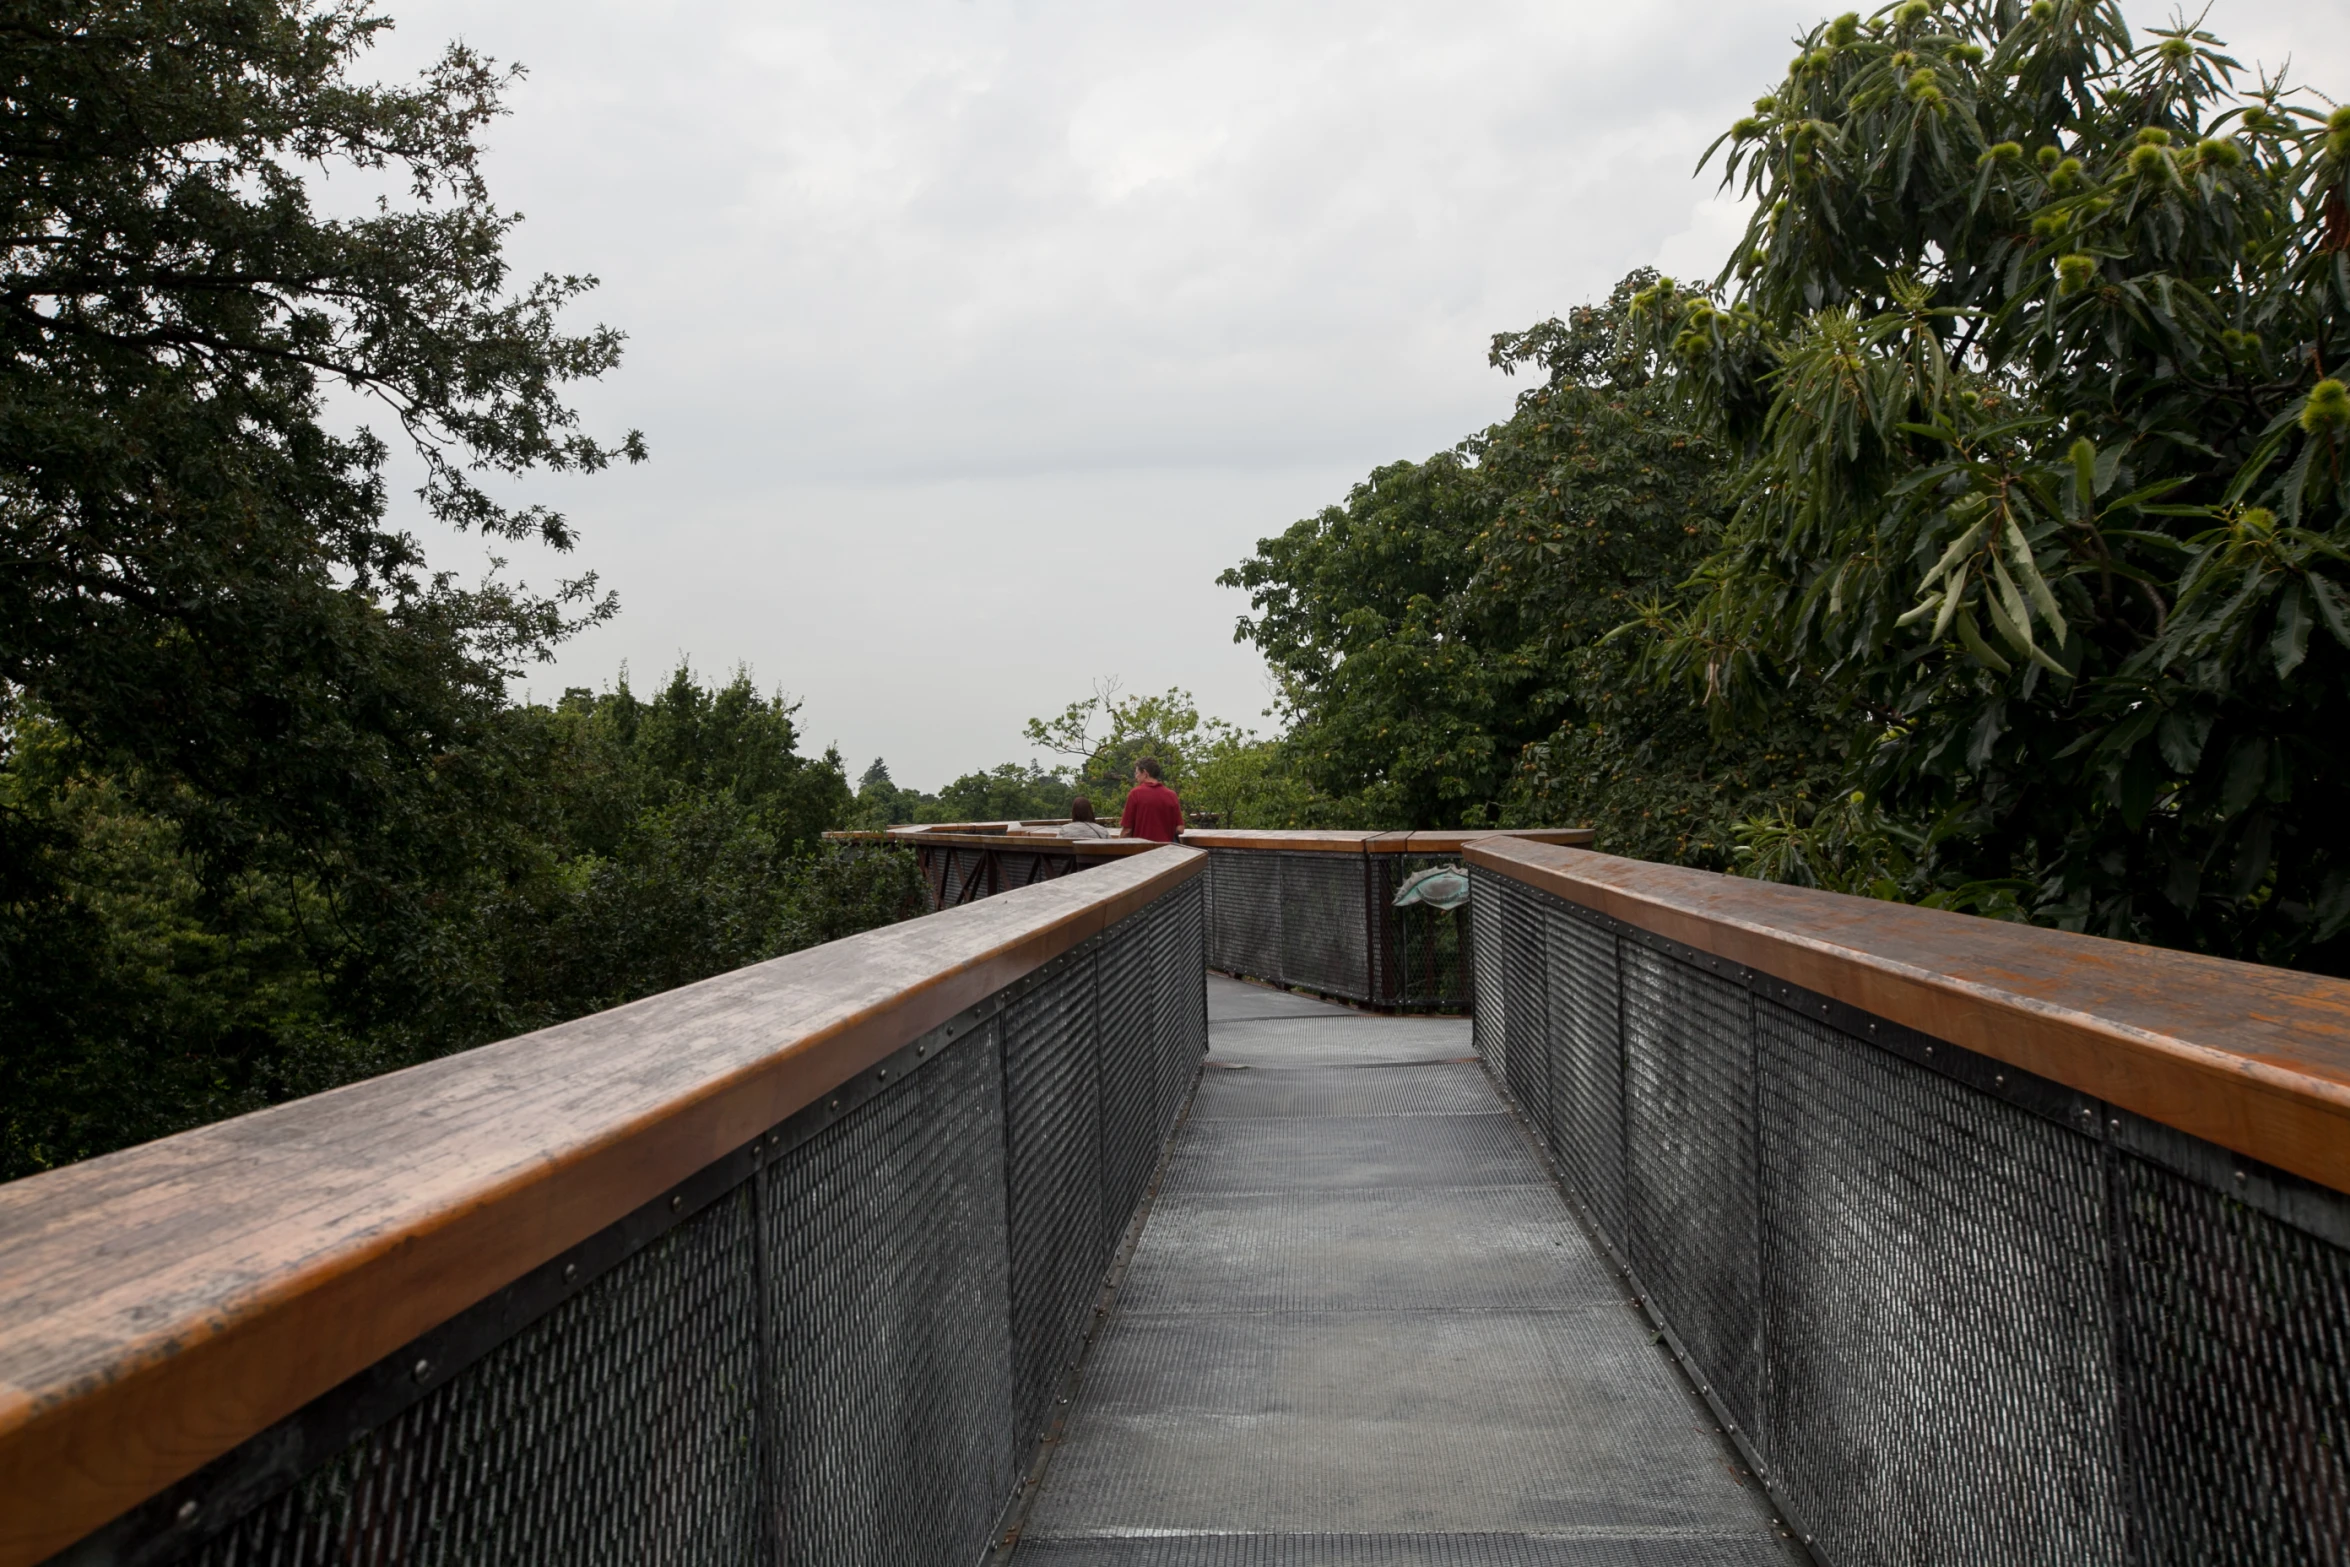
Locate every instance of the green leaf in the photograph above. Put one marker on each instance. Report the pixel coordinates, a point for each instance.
(1951, 599)
(2247, 771)
(2021, 552)
(2109, 464)
(1971, 638)
(2290, 641)
(1924, 607)
(2330, 608)
(1960, 548)
(2008, 614)
(2140, 781)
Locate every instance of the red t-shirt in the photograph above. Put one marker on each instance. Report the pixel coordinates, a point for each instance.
(1152, 811)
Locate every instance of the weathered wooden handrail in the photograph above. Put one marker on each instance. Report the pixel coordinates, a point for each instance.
(1342, 841)
(162, 1305)
(2252, 1058)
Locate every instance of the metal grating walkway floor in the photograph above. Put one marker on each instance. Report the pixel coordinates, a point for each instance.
(1361, 1326)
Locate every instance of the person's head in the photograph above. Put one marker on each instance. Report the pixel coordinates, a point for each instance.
(1081, 809)
(1148, 767)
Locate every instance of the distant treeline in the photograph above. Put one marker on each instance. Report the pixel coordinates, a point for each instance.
(594, 851)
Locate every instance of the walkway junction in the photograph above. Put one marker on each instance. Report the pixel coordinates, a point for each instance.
(1173, 1214)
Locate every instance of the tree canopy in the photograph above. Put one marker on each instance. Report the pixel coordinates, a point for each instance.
(269, 818)
(2032, 354)
(199, 583)
(1443, 640)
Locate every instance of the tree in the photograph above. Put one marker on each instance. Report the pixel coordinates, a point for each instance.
(197, 583)
(1105, 734)
(2033, 347)
(1008, 792)
(269, 821)
(651, 842)
(1443, 640)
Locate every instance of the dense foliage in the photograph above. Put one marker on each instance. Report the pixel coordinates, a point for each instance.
(269, 820)
(2033, 354)
(1010, 791)
(1443, 639)
(652, 842)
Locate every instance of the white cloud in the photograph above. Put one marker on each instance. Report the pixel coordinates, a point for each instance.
(974, 337)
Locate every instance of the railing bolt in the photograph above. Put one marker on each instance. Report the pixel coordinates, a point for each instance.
(2243, 1175)
(881, 1076)
(187, 1510)
(836, 1104)
(677, 1202)
(1999, 1078)
(571, 1273)
(423, 1369)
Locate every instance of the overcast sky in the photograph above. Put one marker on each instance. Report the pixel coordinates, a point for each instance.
(973, 338)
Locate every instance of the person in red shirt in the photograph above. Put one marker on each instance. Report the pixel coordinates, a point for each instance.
(1152, 811)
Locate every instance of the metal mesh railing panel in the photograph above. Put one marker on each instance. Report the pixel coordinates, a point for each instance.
(1326, 922)
(835, 1345)
(1586, 1064)
(1933, 1272)
(2236, 1364)
(610, 1431)
(1178, 940)
(1690, 1161)
(889, 1290)
(1423, 961)
(1956, 1312)
(1247, 934)
(1489, 1024)
(1053, 1143)
(1527, 1056)
(963, 876)
(1129, 1077)
(1325, 925)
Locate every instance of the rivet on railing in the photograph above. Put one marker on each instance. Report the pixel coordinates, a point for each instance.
(187, 1511)
(423, 1369)
(836, 1104)
(571, 1273)
(2243, 1176)
(1999, 1078)
(881, 1076)
(677, 1202)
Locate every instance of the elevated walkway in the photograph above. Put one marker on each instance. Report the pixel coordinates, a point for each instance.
(1014, 1235)
(1361, 1326)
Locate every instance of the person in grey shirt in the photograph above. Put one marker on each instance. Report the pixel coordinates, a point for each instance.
(1081, 823)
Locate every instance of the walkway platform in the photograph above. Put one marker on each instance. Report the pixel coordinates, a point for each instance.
(1361, 1326)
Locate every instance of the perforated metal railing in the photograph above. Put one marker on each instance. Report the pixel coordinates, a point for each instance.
(1316, 911)
(834, 1345)
(1953, 1311)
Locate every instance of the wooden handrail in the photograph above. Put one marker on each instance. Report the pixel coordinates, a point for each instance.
(161, 1305)
(1336, 841)
(2252, 1058)
(1014, 836)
